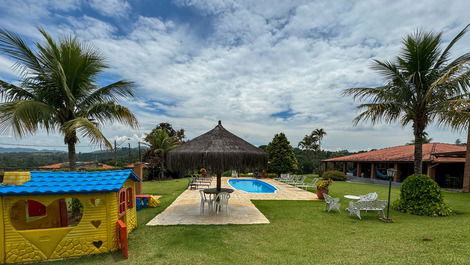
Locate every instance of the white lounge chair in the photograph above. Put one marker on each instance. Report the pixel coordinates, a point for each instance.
(288, 178)
(220, 201)
(282, 177)
(331, 203)
(312, 184)
(293, 179)
(195, 184)
(299, 181)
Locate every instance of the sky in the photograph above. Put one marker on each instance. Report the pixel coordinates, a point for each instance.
(262, 67)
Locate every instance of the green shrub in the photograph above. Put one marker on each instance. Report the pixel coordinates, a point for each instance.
(334, 175)
(421, 195)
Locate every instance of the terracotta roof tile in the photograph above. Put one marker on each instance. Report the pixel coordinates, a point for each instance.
(79, 164)
(404, 153)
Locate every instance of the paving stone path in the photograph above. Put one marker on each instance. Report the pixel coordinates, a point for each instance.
(186, 208)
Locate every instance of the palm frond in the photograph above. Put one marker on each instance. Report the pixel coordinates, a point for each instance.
(109, 112)
(15, 47)
(87, 129)
(10, 92)
(377, 112)
(112, 92)
(26, 117)
(446, 53)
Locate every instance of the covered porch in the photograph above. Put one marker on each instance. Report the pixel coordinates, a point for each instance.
(447, 175)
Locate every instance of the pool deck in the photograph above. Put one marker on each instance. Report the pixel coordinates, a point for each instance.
(185, 210)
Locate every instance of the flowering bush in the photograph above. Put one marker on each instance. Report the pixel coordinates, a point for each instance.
(323, 184)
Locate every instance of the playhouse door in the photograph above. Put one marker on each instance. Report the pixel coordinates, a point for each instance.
(122, 204)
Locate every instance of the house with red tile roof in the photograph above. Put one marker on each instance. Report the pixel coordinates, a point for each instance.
(79, 165)
(442, 162)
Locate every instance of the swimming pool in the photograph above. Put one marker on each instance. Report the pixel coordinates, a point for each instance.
(252, 185)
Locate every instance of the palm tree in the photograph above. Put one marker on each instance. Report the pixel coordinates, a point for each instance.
(319, 134)
(160, 144)
(419, 84)
(57, 91)
(310, 144)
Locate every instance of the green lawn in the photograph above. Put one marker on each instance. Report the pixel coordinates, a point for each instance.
(301, 233)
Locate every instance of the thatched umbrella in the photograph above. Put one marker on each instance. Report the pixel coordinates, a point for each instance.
(217, 150)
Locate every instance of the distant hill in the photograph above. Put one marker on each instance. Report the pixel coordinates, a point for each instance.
(31, 158)
(26, 150)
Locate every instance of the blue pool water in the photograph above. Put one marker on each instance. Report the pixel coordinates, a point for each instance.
(252, 185)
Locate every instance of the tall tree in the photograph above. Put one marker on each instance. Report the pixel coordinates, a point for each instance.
(419, 84)
(310, 145)
(319, 133)
(177, 134)
(160, 144)
(281, 157)
(57, 91)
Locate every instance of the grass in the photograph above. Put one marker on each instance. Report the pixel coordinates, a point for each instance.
(300, 233)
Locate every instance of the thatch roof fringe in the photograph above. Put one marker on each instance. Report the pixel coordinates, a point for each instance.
(217, 150)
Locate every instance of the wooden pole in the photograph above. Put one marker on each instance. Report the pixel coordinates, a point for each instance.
(359, 169)
(396, 177)
(373, 173)
(219, 181)
(138, 170)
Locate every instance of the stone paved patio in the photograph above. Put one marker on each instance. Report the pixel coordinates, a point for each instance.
(185, 209)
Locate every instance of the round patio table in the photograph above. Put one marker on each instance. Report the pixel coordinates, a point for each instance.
(215, 191)
(352, 197)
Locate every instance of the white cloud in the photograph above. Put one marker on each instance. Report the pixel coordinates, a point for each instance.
(260, 58)
(111, 7)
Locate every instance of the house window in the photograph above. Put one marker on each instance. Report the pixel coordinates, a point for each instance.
(31, 214)
(122, 202)
(130, 198)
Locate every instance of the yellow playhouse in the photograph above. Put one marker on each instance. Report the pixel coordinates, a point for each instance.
(55, 215)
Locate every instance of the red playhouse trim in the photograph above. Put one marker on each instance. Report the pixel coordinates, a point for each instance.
(122, 235)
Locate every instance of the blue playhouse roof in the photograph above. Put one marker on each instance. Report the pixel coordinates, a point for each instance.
(71, 182)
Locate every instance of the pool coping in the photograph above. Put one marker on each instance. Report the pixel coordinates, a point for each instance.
(244, 179)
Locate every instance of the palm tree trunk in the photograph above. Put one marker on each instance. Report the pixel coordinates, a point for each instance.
(71, 141)
(466, 173)
(72, 154)
(418, 153)
(162, 168)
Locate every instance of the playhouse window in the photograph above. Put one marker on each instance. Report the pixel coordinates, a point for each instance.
(31, 214)
(130, 198)
(122, 202)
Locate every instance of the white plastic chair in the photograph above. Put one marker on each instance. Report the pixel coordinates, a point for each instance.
(221, 200)
(331, 203)
(205, 200)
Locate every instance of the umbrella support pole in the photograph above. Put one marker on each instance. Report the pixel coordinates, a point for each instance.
(219, 181)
